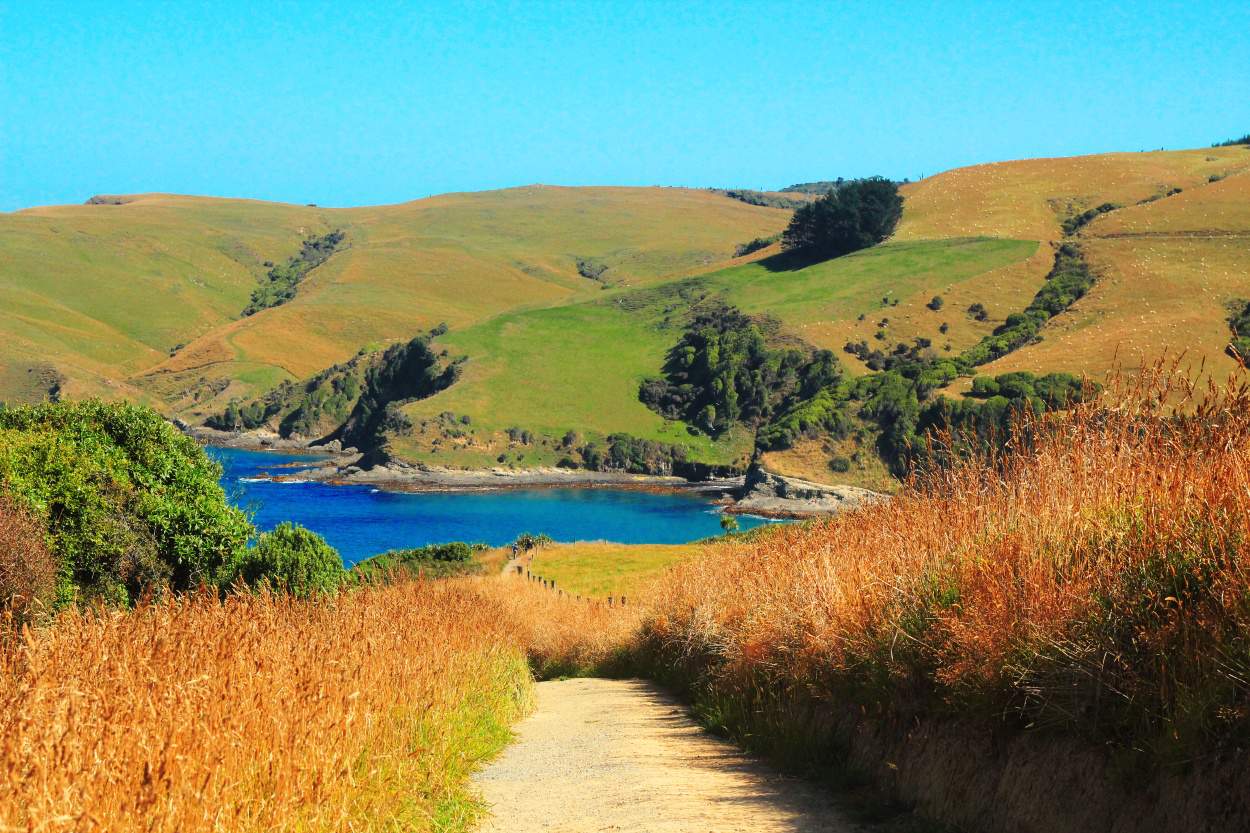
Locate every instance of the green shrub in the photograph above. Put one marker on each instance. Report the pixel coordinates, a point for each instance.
(432, 561)
(127, 501)
(291, 559)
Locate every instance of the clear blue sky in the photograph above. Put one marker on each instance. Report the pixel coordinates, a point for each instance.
(350, 103)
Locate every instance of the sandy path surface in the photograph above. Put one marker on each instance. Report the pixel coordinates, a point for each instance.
(619, 755)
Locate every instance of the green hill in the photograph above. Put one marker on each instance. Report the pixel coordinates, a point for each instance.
(559, 302)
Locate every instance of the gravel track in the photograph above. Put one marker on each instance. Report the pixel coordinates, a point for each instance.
(619, 755)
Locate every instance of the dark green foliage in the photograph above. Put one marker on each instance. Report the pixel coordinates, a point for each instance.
(978, 311)
(1068, 281)
(433, 561)
(755, 245)
(1244, 140)
(723, 371)
(280, 282)
(128, 501)
(1078, 221)
(1239, 323)
(822, 187)
(860, 214)
(935, 303)
(631, 454)
(290, 559)
(591, 268)
(987, 420)
(312, 408)
(761, 198)
(403, 373)
(821, 413)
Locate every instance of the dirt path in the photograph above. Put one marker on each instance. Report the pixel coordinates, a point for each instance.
(618, 755)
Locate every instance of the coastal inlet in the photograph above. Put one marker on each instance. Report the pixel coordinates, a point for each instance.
(361, 520)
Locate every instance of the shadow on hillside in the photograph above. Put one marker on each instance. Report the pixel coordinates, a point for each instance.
(791, 261)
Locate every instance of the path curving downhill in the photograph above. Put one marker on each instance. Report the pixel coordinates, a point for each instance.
(621, 756)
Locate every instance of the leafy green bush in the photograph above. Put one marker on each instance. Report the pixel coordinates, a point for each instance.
(128, 502)
(433, 561)
(291, 559)
(755, 245)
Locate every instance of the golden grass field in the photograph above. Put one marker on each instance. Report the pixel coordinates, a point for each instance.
(1167, 270)
(1094, 583)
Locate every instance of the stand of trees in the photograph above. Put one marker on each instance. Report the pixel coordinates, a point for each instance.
(280, 281)
(724, 371)
(855, 216)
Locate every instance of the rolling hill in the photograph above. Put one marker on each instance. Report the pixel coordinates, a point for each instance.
(560, 301)
(144, 298)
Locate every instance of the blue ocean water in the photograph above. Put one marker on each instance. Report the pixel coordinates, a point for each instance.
(361, 521)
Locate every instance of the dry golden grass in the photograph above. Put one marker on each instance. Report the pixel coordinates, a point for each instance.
(1166, 271)
(364, 712)
(1027, 198)
(563, 636)
(1099, 581)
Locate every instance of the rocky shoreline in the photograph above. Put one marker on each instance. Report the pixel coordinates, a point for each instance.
(759, 492)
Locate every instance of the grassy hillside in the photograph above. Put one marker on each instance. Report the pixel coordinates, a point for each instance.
(562, 300)
(1168, 270)
(107, 292)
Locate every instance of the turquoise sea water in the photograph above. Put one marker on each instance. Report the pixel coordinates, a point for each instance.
(361, 521)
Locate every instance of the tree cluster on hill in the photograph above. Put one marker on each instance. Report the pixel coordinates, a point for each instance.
(1244, 140)
(357, 402)
(127, 504)
(280, 281)
(312, 408)
(762, 198)
(819, 188)
(723, 371)
(860, 214)
(1066, 283)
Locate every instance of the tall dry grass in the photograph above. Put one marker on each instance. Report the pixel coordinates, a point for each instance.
(1095, 579)
(360, 712)
(563, 636)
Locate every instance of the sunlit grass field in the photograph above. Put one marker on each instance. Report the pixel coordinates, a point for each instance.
(598, 569)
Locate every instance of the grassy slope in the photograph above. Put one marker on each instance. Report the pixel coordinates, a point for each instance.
(551, 351)
(1167, 269)
(978, 234)
(132, 281)
(578, 366)
(600, 569)
(104, 291)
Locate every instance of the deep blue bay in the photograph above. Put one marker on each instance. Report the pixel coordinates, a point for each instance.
(361, 521)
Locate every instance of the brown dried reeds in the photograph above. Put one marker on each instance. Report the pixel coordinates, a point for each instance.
(1094, 577)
